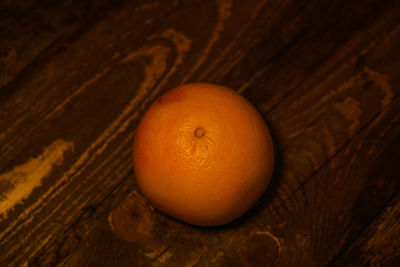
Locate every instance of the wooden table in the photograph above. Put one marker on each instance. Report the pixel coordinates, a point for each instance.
(76, 76)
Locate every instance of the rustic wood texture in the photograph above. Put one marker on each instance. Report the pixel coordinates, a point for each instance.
(379, 244)
(75, 78)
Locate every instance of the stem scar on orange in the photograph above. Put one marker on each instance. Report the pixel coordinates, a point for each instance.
(203, 154)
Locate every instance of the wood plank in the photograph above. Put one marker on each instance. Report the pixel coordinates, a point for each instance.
(89, 127)
(330, 209)
(379, 244)
(86, 112)
(307, 36)
(357, 90)
(335, 204)
(317, 122)
(32, 28)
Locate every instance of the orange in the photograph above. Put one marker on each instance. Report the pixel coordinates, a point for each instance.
(202, 154)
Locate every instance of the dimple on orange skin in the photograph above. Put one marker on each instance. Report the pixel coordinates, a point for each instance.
(203, 154)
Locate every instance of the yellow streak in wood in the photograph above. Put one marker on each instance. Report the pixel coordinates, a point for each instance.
(153, 72)
(23, 179)
(181, 42)
(159, 255)
(182, 45)
(211, 67)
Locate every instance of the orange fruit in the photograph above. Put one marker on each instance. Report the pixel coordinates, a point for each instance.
(202, 154)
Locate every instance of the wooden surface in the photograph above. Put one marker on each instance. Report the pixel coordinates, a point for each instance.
(76, 76)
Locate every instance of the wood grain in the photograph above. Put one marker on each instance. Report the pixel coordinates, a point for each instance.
(32, 29)
(379, 243)
(324, 74)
